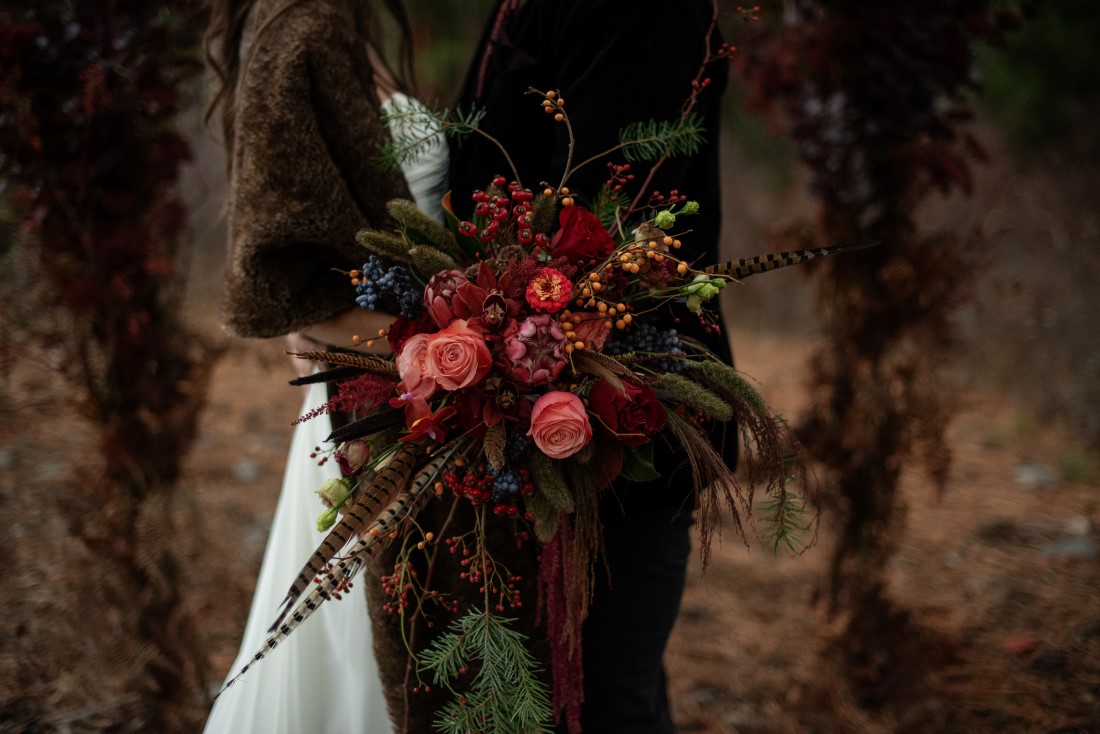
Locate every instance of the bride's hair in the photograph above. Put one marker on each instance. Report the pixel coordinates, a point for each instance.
(222, 47)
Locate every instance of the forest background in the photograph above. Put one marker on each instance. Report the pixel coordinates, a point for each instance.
(985, 566)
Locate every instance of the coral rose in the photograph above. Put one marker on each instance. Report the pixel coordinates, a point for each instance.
(559, 425)
(457, 357)
(412, 366)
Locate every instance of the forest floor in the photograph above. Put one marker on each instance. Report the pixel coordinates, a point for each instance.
(995, 585)
(999, 575)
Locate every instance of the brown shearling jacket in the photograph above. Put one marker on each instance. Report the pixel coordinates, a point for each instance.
(304, 178)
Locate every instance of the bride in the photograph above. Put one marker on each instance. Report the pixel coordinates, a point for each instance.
(301, 91)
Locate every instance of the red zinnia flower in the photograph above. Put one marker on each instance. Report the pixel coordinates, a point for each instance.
(549, 290)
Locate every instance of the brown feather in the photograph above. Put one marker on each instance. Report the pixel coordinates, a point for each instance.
(387, 483)
(362, 361)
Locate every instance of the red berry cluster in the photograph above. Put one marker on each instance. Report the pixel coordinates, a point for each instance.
(749, 15)
(658, 200)
(476, 485)
(494, 210)
(490, 578)
(618, 176)
(342, 586)
(402, 589)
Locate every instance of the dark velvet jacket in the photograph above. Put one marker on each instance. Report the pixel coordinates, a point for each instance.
(615, 62)
(605, 56)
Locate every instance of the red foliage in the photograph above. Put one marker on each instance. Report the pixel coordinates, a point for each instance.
(89, 153)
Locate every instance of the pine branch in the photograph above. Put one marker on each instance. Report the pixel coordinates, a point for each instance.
(787, 524)
(416, 130)
(506, 695)
(652, 140)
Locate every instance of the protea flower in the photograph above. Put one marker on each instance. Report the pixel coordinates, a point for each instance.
(534, 349)
(439, 293)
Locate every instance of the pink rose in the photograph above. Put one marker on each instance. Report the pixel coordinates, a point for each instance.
(412, 366)
(458, 356)
(559, 425)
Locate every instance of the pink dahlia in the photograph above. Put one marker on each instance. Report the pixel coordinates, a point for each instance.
(549, 290)
(534, 349)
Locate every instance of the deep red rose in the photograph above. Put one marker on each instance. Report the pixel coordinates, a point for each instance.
(581, 237)
(632, 416)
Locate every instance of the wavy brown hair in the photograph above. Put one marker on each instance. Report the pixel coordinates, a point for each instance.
(222, 47)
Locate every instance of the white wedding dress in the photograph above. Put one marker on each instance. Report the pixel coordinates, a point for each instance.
(323, 678)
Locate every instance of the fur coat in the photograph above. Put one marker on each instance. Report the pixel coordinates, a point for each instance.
(304, 179)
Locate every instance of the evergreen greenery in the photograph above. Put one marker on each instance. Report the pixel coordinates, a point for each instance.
(650, 140)
(506, 696)
(786, 523)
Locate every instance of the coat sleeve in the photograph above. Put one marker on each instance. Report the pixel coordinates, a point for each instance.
(304, 178)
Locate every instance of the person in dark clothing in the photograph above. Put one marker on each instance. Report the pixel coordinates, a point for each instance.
(614, 62)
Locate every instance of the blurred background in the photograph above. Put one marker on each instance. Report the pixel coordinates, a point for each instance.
(954, 590)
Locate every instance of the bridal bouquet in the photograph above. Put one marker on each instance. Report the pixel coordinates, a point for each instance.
(534, 362)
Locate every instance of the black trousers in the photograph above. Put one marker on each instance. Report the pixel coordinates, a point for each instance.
(631, 618)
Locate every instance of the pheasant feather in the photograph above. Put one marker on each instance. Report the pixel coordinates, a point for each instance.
(362, 361)
(741, 269)
(388, 482)
(338, 576)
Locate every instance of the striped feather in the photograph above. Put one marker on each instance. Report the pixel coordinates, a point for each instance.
(741, 269)
(337, 577)
(388, 482)
(362, 361)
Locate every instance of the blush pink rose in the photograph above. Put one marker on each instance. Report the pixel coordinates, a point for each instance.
(412, 367)
(559, 424)
(458, 356)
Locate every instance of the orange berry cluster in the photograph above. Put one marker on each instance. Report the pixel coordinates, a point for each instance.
(552, 105)
(636, 256)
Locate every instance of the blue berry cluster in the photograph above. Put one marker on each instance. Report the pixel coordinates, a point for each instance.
(376, 282)
(508, 482)
(646, 338)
